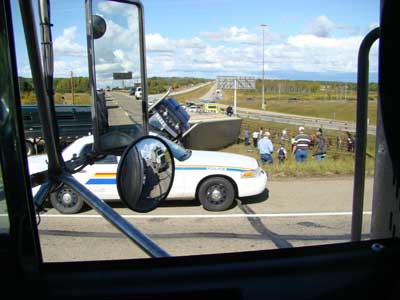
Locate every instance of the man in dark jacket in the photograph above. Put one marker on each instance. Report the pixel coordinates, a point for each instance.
(320, 145)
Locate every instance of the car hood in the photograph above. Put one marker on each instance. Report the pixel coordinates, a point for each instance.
(212, 159)
(37, 163)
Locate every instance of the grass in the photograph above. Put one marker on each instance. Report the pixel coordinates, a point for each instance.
(337, 162)
(193, 95)
(309, 105)
(79, 98)
(333, 164)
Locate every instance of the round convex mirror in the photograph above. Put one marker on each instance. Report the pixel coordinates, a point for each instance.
(99, 26)
(145, 174)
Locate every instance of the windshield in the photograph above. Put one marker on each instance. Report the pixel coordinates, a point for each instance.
(179, 152)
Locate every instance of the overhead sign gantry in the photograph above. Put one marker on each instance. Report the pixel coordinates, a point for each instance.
(236, 83)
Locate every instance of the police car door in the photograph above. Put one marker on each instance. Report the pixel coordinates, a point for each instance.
(100, 178)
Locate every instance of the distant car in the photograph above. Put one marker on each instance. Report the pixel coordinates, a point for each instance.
(211, 107)
(138, 93)
(216, 179)
(193, 108)
(132, 91)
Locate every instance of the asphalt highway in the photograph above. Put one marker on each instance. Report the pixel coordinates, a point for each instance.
(294, 213)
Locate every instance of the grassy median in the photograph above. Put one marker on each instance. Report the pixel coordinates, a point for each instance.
(338, 160)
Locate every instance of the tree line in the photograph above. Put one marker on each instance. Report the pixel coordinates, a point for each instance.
(61, 85)
(158, 85)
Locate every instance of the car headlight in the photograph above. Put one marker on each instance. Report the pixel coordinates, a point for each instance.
(251, 173)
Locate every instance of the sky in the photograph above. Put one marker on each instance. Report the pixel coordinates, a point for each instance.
(309, 40)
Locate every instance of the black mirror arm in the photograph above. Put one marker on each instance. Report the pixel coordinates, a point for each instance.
(136, 236)
(45, 101)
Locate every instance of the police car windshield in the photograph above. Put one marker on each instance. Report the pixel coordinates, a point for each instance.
(179, 152)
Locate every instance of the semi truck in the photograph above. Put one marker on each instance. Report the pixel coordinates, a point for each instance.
(74, 121)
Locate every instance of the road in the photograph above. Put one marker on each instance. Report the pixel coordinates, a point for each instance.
(296, 212)
(125, 109)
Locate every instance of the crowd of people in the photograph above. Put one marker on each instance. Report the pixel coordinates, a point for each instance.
(302, 144)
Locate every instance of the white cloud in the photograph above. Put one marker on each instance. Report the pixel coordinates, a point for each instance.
(66, 45)
(157, 43)
(298, 53)
(309, 53)
(63, 68)
(232, 34)
(321, 26)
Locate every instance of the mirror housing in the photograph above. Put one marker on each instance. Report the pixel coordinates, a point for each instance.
(99, 26)
(116, 54)
(145, 174)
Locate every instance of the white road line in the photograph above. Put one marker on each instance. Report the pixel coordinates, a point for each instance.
(277, 215)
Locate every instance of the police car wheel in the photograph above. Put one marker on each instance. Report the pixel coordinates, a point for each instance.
(216, 194)
(66, 200)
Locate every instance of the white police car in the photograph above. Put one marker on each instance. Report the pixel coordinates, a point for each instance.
(214, 178)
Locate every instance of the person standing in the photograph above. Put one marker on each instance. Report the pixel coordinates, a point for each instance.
(255, 138)
(266, 148)
(246, 137)
(320, 146)
(350, 142)
(301, 143)
(282, 154)
(261, 132)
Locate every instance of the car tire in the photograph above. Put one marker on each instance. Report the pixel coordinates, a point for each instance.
(66, 200)
(30, 148)
(216, 194)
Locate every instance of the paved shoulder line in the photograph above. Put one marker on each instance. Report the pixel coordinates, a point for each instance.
(273, 215)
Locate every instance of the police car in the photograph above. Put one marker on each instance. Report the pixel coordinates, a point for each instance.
(214, 178)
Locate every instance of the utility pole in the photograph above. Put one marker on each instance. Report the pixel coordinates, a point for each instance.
(72, 88)
(263, 26)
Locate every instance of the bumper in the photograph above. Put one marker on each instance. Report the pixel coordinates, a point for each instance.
(252, 186)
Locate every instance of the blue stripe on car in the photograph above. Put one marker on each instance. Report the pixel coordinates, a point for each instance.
(102, 181)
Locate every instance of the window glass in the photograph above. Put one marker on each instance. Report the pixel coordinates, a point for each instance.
(272, 169)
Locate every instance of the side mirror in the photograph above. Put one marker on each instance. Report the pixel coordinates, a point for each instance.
(145, 174)
(116, 53)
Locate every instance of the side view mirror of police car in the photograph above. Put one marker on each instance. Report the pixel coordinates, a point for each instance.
(145, 174)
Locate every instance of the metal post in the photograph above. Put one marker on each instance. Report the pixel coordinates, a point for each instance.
(263, 87)
(45, 101)
(140, 239)
(361, 133)
(385, 213)
(235, 98)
